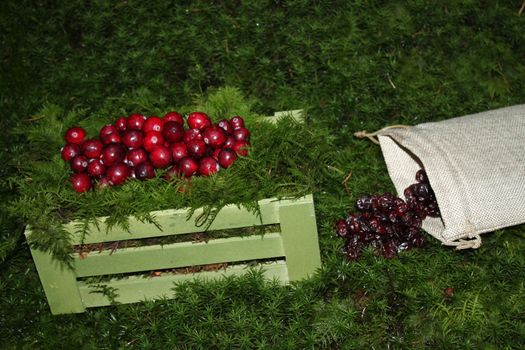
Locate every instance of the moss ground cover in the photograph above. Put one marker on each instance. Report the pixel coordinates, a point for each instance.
(351, 66)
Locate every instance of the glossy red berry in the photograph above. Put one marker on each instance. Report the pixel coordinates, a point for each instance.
(132, 139)
(135, 121)
(75, 135)
(214, 136)
(160, 157)
(241, 148)
(102, 183)
(121, 124)
(198, 120)
(113, 153)
(92, 148)
(241, 134)
(192, 134)
(136, 156)
(196, 148)
(208, 166)
(227, 157)
(79, 164)
(112, 138)
(171, 173)
(69, 151)
(230, 141)
(96, 168)
(225, 125)
(237, 122)
(173, 117)
(107, 130)
(153, 123)
(178, 151)
(81, 182)
(144, 171)
(173, 132)
(118, 173)
(188, 166)
(152, 140)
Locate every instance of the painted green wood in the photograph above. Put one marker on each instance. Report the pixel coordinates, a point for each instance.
(59, 283)
(175, 222)
(157, 257)
(297, 242)
(134, 289)
(299, 235)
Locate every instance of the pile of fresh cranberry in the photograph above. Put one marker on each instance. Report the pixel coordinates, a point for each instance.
(135, 146)
(388, 223)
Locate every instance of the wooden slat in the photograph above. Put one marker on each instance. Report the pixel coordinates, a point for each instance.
(174, 255)
(300, 241)
(175, 222)
(59, 283)
(134, 289)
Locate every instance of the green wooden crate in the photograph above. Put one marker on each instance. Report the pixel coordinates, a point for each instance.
(290, 254)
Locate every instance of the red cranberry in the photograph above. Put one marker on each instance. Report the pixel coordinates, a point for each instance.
(113, 153)
(135, 121)
(118, 173)
(178, 151)
(215, 153)
(153, 123)
(208, 166)
(153, 139)
(112, 138)
(196, 148)
(160, 157)
(225, 125)
(144, 171)
(132, 139)
(171, 172)
(92, 148)
(96, 168)
(188, 166)
(198, 120)
(69, 151)
(214, 136)
(241, 148)
(81, 182)
(241, 134)
(79, 164)
(75, 135)
(227, 157)
(192, 134)
(230, 141)
(173, 117)
(107, 130)
(121, 124)
(136, 156)
(173, 132)
(237, 122)
(102, 183)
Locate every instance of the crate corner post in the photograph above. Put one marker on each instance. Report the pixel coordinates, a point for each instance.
(300, 237)
(59, 283)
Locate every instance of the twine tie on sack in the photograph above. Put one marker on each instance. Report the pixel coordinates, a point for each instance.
(474, 242)
(372, 136)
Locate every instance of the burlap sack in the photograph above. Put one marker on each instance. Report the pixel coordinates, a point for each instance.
(475, 165)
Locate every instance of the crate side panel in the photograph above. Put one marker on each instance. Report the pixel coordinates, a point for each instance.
(59, 283)
(300, 238)
(177, 222)
(135, 289)
(180, 254)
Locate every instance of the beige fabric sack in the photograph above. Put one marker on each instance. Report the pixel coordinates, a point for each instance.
(475, 165)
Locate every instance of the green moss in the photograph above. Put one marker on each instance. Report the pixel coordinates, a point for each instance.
(352, 66)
